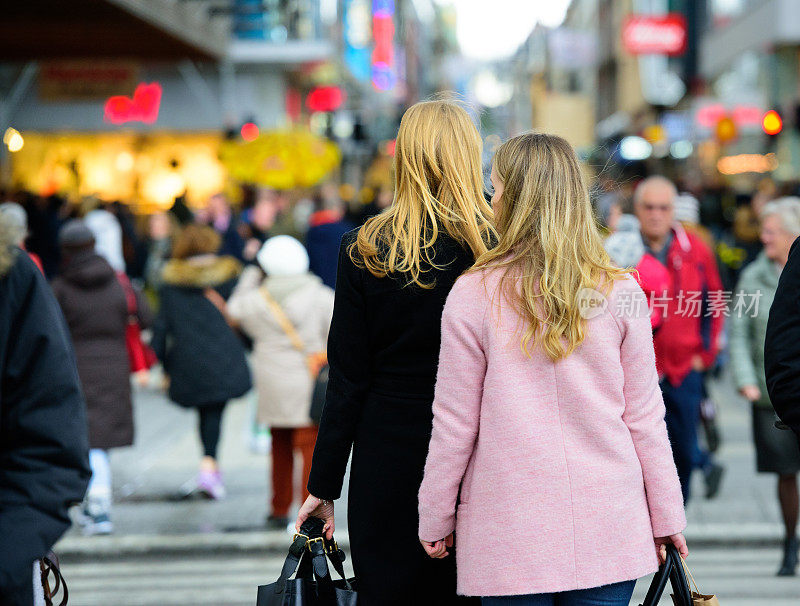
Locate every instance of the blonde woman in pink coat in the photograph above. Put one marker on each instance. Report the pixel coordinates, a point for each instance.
(549, 457)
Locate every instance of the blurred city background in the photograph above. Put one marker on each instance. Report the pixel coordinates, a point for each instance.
(265, 117)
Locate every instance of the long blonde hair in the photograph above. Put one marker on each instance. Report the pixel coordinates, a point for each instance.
(438, 186)
(549, 243)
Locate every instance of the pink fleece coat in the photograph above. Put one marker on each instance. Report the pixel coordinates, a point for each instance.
(564, 469)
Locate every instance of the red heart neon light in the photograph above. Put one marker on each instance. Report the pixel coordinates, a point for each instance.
(143, 107)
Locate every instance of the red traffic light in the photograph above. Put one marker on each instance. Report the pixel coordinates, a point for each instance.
(249, 131)
(772, 123)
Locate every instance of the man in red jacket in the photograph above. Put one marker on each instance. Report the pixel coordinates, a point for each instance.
(694, 308)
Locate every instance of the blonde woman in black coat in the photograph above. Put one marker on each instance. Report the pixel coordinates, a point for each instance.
(393, 278)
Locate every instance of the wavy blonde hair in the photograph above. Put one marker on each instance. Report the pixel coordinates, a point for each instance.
(438, 185)
(549, 242)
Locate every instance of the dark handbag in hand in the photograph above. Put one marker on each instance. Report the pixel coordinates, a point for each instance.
(671, 570)
(313, 585)
(48, 566)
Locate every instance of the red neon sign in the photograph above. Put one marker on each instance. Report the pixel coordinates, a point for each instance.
(325, 99)
(142, 107)
(655, 35)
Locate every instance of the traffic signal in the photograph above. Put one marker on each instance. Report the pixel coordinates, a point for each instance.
(772, 123)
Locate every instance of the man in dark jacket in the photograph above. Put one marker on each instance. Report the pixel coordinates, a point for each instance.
(782, 345)
(44, 464)
(327, 226)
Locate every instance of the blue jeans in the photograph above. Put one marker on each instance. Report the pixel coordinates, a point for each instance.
(616, 594)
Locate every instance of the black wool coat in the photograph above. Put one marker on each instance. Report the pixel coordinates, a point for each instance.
(782, 345)
(203, 357)
(383, 351)
(96, 310)
(44, 449)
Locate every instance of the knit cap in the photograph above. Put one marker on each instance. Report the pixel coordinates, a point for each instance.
(283, 256)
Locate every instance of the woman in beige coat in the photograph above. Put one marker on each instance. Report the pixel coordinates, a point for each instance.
(282, 376)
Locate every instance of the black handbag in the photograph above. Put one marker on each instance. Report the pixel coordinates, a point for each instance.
(313, 586)
(671, 570)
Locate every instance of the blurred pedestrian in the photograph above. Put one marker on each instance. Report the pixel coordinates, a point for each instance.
(687, 213)
(777, 451)
(219, 215)
(202, 356)
(260, 219)
(687, 343)
(44, 461)
(394, 275)
(609, 210)
(108, 237)
(283, 379)
(747, 219)
(161, 225)
(527, 374)
(17, 221)
(96, 310)
(626, 248)
(327, 227)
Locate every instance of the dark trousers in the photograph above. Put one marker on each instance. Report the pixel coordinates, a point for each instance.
(210, 427)
(683, 414)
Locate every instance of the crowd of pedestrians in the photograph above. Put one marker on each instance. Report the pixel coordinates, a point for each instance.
(452, 332)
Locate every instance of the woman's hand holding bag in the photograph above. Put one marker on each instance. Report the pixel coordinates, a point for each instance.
(438, 550)
(317, 508)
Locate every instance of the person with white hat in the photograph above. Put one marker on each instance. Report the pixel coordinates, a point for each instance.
(287, 315)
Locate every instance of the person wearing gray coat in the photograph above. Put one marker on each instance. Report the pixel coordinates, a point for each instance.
(777, 450)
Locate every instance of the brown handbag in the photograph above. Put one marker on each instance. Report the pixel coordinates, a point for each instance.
(49, 565)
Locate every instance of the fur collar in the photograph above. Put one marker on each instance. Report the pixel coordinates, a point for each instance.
(201, 272)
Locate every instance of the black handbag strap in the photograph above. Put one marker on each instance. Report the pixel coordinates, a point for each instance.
(291, 562)
(319, 548)
(671, 570)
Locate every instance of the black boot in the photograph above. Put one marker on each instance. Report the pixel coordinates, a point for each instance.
(790, 549)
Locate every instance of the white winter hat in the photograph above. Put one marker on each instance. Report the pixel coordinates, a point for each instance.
(283, 256)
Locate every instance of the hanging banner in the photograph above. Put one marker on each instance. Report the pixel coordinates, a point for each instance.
(86, 80)
(655, 35)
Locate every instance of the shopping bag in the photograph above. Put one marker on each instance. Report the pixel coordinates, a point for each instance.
(309, 554)
(698, 599)
(670, 571)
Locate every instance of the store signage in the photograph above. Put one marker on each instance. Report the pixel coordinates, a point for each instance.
(655, 35)
(383, 76)
(142, 107)
(744, 116)
(86, 80)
